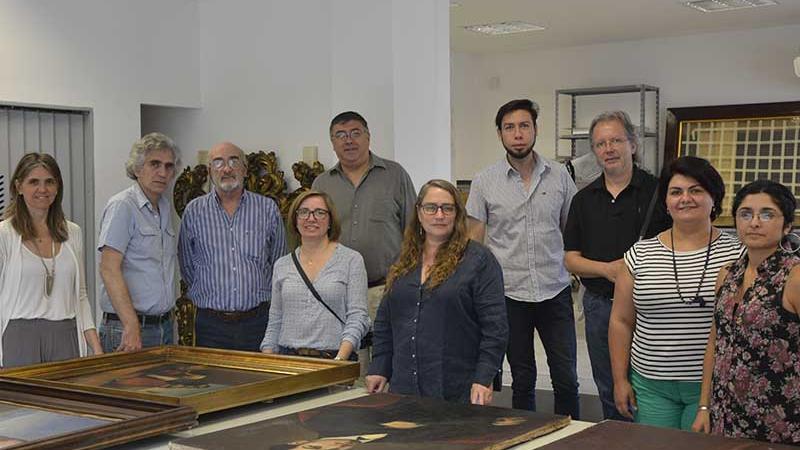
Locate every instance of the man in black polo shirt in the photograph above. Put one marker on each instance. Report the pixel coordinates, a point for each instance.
(605, 219)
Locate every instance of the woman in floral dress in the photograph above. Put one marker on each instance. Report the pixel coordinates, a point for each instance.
(751, 372)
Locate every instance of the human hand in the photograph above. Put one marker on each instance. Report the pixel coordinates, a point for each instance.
(702, 422)
(131, 339)
(625, 399)
(267, 350)
(376, 383)
(480, 394)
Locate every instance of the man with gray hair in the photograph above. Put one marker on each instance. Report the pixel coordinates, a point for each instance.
(607, 217)
(137, 245)
(230, 238)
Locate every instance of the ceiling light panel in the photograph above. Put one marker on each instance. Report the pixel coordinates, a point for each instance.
(498, 29)
(727, 5)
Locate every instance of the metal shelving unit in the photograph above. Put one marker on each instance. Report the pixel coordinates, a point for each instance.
(576, 135)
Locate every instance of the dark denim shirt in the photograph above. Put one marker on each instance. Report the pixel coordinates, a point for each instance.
(437, 343)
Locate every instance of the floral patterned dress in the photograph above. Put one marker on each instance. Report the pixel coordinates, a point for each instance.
(756, 381)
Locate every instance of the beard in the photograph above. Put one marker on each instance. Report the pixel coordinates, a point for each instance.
(520, 154)
(228, 186)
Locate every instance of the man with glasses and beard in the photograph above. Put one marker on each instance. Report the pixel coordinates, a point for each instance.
(518, 207)
(228, 242)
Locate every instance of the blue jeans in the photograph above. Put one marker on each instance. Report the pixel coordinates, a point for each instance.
(597, 310)
(554, 319)
(245, 334)
(153, 334)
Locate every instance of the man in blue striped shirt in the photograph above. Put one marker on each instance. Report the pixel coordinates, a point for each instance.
(228, 242)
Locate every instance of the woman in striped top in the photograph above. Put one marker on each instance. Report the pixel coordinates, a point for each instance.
(664, 301)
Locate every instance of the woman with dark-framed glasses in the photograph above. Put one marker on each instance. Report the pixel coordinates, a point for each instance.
(319, 291)
(441, 330)
(664, 300)
(751, 372)
(44, 309)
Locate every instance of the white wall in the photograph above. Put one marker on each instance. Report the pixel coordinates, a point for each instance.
(722, 68)
(109, 56)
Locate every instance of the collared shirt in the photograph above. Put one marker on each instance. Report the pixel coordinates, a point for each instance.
(146, 238)
(524, 226)
(603, 228)
(374, 214)
(298, 320)
(227, 261)
(438, 342)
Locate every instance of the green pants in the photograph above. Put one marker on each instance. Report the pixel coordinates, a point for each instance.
(665, 403)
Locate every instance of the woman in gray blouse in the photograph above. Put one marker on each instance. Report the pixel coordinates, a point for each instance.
(299, 323)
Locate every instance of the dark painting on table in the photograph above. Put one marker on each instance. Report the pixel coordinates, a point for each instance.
(632, 436)
(385, 422)
(174, 379)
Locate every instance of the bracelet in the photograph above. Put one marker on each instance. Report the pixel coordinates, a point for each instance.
(702, 407)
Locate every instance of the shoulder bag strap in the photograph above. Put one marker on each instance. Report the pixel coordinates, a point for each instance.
(649, 214)
(311, 287)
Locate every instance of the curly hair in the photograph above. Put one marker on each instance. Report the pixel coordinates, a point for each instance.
(449, 254)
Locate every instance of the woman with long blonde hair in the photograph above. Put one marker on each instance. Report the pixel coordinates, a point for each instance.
(441, 330)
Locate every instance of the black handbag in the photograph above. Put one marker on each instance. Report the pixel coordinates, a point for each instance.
(366, 341)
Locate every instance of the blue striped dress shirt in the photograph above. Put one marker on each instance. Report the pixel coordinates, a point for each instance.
(227, 261)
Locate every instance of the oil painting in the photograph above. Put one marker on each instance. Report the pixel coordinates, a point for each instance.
(34, 417)
(634, 436)
(172, 379)
(20, 424)
(205, 379)
(386, 422)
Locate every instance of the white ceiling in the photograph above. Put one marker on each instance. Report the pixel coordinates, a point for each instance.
(583, 22)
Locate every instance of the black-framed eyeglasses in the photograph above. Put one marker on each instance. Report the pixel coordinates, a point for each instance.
(765, 215)
(319, 213)
(613, 142)
(233, 162)
(344, 135)
(448, 209)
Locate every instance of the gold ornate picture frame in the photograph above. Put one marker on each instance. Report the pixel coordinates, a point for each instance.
(743, 142)
(202, 378)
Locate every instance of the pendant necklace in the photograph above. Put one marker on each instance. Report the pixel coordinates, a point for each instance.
(697, 298)
(49, 274)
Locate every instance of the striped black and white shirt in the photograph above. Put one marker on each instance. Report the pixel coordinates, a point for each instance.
(671, 334)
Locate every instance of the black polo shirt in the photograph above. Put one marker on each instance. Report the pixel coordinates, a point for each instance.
(603, 228)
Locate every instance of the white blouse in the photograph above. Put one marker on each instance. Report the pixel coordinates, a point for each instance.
(35, 304)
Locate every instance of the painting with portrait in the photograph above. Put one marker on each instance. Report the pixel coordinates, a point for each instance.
(386, 422)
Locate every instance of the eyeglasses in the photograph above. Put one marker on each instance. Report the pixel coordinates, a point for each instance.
(353, 135)
(305, 213)
(747, 215)
(613, 142)
(448, 209)
(232, 162)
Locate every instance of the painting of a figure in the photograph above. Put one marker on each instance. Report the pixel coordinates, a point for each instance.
(171, 378)
(20, 424)
(386, 422)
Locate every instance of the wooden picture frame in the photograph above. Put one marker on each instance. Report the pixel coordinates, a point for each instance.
(743, 142)
(203, 378)
(43, 418)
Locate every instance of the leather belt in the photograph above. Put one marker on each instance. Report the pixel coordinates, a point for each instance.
(234, 316)
(144, 319)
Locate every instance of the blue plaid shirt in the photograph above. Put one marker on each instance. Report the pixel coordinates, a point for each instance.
(227, 261)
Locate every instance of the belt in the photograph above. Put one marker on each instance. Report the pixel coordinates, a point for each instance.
(143, 318)
(313, 352)
(234, 316)
(376, 283)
